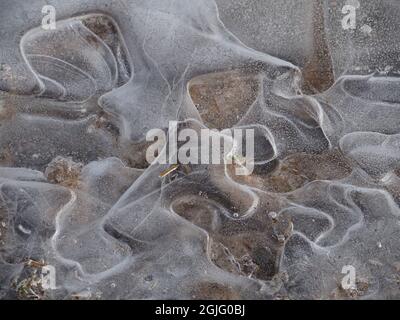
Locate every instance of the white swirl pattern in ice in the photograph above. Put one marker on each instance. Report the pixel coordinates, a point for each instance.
(76, 193)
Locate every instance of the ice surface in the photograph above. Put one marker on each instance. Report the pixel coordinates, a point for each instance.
(76, 192)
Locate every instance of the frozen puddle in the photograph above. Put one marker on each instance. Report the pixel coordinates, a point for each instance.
(84, 215)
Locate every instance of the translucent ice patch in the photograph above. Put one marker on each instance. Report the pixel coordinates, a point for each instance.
(73, 62)
(376, 153)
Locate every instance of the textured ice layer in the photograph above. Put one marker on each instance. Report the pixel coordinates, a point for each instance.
(77, 194)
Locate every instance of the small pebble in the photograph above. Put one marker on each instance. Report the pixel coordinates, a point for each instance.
(148, 278)
(281, 238)
(273, 215)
